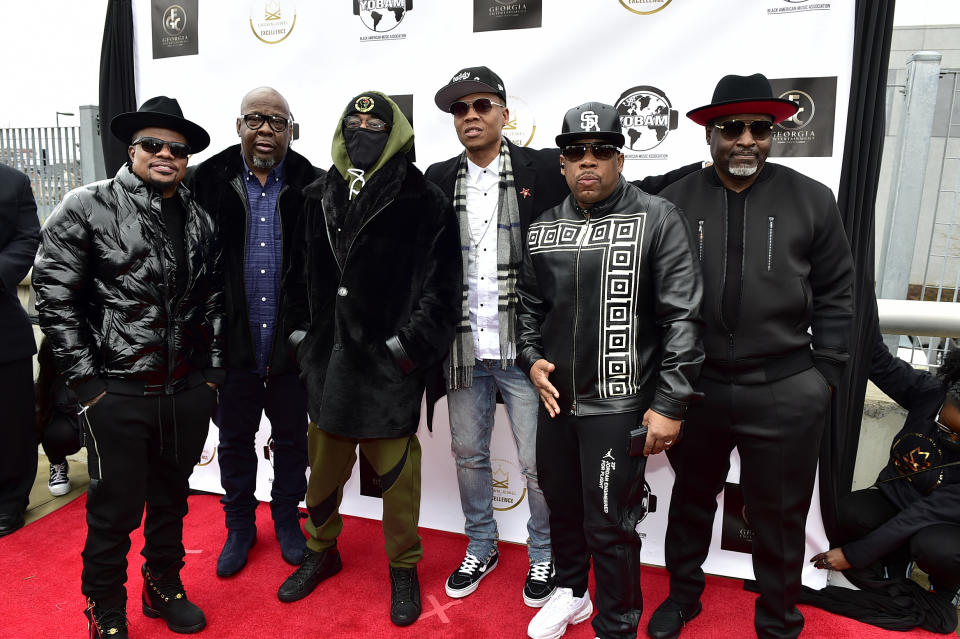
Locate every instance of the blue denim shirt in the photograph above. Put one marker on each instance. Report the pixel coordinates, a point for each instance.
(264, 259)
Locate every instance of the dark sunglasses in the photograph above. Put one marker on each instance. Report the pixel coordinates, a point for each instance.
(943, 427)
(576, 152)
(255, 120)
(155, 145)
(481, 105)
(733, 129)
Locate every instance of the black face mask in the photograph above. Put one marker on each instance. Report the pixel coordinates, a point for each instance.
(364, 146)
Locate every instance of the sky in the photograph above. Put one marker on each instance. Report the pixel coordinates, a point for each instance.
(57, 56)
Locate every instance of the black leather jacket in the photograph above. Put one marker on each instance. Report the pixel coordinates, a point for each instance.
(613, 302)
(105, 279)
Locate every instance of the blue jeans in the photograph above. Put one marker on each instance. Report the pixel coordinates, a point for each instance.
(471, 425)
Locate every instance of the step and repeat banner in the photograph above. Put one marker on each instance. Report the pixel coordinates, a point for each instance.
(653, 59)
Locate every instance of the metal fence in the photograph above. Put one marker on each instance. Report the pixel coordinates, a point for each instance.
(50, 156)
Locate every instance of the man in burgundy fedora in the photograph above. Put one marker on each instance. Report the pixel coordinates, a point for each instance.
(767, 234)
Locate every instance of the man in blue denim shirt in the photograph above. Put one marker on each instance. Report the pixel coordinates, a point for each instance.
(253, 191)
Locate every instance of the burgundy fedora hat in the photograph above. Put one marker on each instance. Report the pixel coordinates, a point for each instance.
(743, 94)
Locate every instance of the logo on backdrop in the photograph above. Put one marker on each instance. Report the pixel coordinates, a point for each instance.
(809, 132)
(522, 125)
(174, 27)
(509, 488)
(382, 17)
(273, 21)
(647, 117)
(796, 6)
(736, 534)
(644, 7)
(499, 15)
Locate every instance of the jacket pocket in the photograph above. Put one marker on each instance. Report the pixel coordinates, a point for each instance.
(771, 222)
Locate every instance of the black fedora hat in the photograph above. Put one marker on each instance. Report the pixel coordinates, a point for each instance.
(593, 120)
(743, 94)
(162, 112)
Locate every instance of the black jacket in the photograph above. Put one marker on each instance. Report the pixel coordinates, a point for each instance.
(217, 185)
(797, 273)
(19, 237)
(928, 498)
(105, 279)
(540, 186)
(625, 279)
(378, 320)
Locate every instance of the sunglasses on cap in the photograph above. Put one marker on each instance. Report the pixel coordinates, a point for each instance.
(576, 152)
(733, 129)
(481, 105)
(155, 145)
(255, 120)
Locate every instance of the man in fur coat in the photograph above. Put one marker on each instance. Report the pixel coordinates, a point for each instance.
(374, 293)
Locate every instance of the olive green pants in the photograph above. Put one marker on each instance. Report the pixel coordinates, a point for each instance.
(396, 461)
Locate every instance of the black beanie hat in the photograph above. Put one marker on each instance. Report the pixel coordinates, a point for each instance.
(372, 104)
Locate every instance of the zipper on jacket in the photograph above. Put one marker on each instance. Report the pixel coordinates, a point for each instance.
(169, 309)
(770, 220)
(576, 316)
(700, 239)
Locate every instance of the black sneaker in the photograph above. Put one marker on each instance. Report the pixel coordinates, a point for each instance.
(540, 584)
(404, 596)
(108, 621)
(164, 598)
(316, 567)
(59, 482)
(669, 619)
(466, 578)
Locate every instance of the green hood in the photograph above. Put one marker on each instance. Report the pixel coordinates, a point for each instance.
(400, 141)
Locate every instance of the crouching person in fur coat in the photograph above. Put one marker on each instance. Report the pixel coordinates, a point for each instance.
(374, 294)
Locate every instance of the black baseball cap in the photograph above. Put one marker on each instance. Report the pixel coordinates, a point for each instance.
(467, 81)
(594, 120)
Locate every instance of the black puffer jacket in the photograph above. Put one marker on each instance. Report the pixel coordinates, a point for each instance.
(105, 278)
(613, 302)
(218, 186)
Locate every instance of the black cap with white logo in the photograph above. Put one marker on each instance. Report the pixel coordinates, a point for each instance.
(467, 81)
(593, 121)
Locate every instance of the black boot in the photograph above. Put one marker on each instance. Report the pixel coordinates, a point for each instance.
(404, 596)
(316, 567)
(163, 597)
(293, 544)
(233, 557)
(107, 618)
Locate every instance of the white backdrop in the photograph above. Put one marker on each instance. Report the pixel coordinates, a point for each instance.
(319, 54)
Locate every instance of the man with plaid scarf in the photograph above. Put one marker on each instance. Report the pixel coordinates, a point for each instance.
(498, 189)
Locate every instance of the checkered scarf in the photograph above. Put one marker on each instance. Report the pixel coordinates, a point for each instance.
(509, 256)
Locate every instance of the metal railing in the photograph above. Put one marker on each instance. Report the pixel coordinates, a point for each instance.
(50, 156)
(927, 329)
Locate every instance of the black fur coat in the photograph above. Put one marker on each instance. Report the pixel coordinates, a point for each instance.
(381, 314)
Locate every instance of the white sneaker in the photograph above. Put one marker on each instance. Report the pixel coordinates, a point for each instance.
(560, 610)
(59, 483)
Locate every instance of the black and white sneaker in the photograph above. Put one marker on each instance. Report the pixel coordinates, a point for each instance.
(59, 482)
(540, 584)
(466, 578)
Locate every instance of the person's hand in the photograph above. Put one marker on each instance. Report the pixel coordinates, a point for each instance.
(93, 401)
(540, 376)
(212, 385)
(833, 559)
(661, 432)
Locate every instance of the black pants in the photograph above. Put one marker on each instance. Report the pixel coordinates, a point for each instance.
(140, 450)
(18, 436)
(244, 397)
(776, 428)
(935, 549)
(594, 490)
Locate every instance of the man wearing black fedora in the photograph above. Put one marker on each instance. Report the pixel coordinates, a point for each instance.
(608, 332)
(498, 189)
(130, 298)
(766, 233)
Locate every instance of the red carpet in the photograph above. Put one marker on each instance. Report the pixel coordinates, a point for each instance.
(40, 582)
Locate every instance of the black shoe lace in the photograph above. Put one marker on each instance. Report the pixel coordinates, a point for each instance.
(168, 586)
(108, 619)
(402, 583)
(306, 568)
